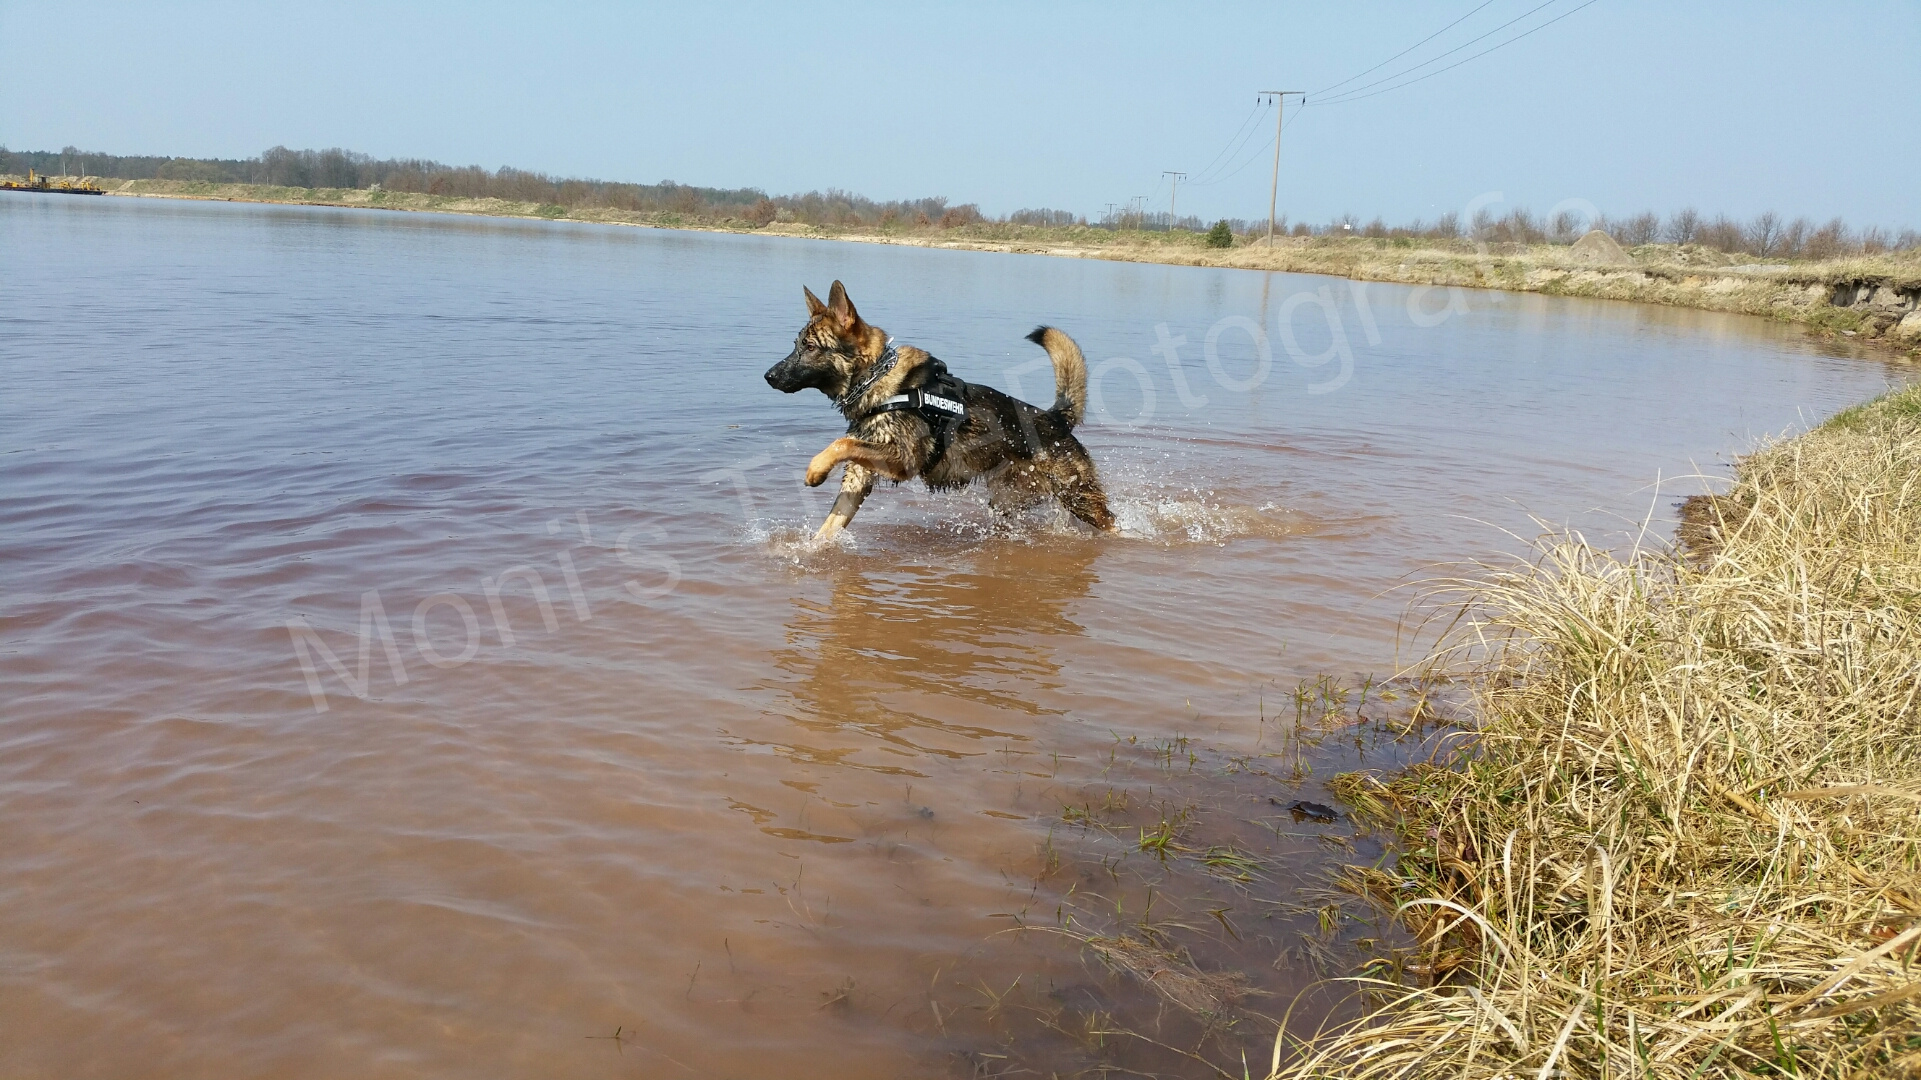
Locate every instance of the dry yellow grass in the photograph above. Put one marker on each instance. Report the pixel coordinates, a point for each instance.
(1683, 838)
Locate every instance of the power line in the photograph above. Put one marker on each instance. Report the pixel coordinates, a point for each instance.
(1357, 96)
(1245, 122)
(1252, 130)
(1408, 71)
(1249, 131)
(1204, 179)
(1248, 160)
(1307, 103)
(1405, 51)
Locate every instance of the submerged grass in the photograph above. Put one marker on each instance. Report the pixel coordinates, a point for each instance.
(1683, 838)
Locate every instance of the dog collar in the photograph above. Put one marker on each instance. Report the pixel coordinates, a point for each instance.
(888, 358)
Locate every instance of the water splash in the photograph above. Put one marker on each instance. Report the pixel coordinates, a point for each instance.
(1179, 518)
(1163, 518)
(793, 541)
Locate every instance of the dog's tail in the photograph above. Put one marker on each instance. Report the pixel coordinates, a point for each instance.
(1070, 372)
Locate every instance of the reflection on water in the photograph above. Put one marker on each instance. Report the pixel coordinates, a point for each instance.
(770, 810)
(945, 659)
(979, 628)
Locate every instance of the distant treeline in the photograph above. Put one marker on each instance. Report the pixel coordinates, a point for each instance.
(339, 169)
(1767, 236)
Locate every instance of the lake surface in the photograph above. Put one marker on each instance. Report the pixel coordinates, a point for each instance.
(757, 808)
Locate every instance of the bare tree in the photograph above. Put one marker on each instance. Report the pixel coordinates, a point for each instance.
(1042, 216)
(1723, 234)
(1764, 233)
(1684, 226)
(957, 216)
(1829, 241)
(1480, 225)
(1642, 228)
(1519, 227)
(1794, 238)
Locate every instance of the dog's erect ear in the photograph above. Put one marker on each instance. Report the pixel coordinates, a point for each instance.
(814, 306)
(840, 307)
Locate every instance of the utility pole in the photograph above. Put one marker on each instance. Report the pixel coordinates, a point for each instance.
(1174, 191)
(1274, 192)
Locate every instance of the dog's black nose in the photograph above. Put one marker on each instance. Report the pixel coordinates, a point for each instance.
(787, 376)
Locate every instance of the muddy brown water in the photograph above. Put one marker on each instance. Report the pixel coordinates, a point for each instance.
(628, 756)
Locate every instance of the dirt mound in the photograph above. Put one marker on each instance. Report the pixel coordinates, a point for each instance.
(1599, 248)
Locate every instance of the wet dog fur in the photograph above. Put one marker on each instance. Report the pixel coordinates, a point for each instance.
(1023, 453)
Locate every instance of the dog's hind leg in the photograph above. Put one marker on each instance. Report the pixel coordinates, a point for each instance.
(855, 484)
(1013, 489)
(1070, 477)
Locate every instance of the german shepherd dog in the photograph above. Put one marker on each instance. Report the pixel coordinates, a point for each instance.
(907, 417)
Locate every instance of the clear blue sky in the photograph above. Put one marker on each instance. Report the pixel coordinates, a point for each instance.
(1803, 108)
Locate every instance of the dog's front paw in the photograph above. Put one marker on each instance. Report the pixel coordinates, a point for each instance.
(819, 468)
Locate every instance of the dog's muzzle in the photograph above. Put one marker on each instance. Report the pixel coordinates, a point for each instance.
(789, 375)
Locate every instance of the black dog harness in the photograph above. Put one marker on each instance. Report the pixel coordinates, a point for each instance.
(940, 400)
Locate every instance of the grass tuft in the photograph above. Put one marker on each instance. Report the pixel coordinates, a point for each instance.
(1684, 837)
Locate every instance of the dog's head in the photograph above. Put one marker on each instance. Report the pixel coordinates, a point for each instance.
(831, 351)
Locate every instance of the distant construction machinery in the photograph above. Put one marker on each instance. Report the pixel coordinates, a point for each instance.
(65, 185)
